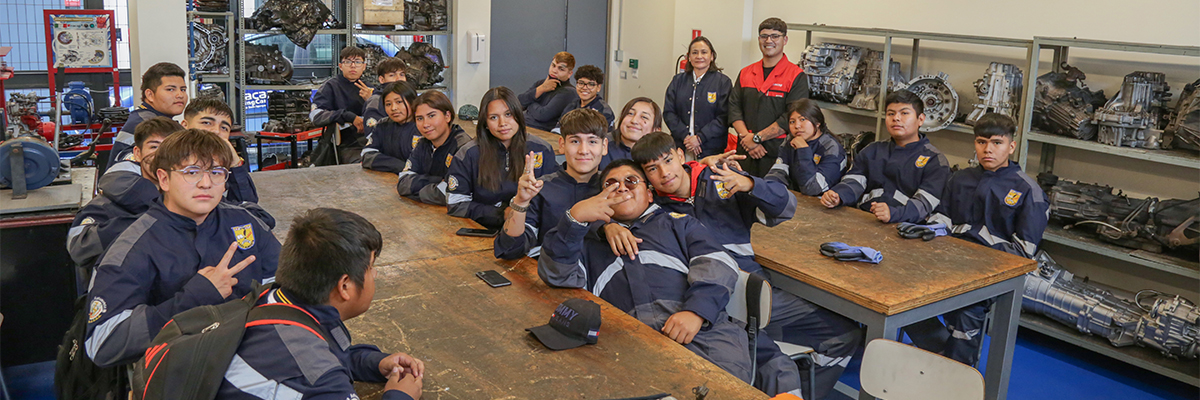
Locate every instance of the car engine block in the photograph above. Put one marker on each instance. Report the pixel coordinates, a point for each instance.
(1063, 104)
(941, 101)
(1149, 224)
(869, 72)
(832, 70)
(1184, 130)
(1136, 116)
(999, 92)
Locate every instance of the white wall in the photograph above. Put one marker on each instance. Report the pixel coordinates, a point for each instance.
(471, 81)
(158, 33)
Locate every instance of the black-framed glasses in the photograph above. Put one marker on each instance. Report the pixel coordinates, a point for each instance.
(631, 182)
(354, 62)
(587, 84)
(193, 174)
(771, 37)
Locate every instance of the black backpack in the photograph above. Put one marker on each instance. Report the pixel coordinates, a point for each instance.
(76, 377)
(189, 357)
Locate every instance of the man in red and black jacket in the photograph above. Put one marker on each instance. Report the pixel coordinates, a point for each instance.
(758, 102)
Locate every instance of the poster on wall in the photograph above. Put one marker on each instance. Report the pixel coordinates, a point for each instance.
(80, 40)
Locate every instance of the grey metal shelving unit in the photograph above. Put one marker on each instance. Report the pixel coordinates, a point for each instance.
(913, 67)
(226, 80)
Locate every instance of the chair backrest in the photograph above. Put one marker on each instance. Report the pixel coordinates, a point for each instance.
(897, 371)
(737, 301)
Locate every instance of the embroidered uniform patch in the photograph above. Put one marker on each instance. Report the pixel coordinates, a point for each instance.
(415, 140)
(712, 97)
(449, 157)
(96, 309)
(1012, 198)
(408, 165)
(722, 192)
(537, 160)
(371, 122)
(452, 183)
(87, 221)
(921, 161)
(244, 235)
(816, 158)
(678, 215)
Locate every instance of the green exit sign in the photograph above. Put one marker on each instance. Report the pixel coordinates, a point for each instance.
(633, 63)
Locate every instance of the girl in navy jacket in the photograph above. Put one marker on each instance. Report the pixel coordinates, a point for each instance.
(484, 173)
(390, 142)
(698, 103)
(811, 160)
(640, 117)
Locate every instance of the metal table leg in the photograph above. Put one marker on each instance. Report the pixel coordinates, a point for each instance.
(1004, 339)
(292, 142)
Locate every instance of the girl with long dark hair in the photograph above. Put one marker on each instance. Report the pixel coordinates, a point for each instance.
(483, 175)
(390, 141)
(639, 117)
(812, 159)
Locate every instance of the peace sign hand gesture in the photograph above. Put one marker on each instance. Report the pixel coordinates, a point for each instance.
(221, 275)
(734, 182)
(599, 207)
(528, 186)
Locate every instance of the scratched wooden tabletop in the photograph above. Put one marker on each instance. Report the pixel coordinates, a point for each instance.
(411, 230)
(472, 338)
(913, 272)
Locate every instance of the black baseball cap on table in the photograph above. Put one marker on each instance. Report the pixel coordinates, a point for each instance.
(575, 322)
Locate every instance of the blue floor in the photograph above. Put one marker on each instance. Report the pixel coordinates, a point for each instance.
(1043, 368)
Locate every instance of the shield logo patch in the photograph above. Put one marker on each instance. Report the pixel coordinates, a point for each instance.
(722, 192)
(921, 161)
(448, 158)
(537, 160)
(415, 140)
(452, 183)
(816, 158)
(1012, 198)
(244, 235)
(712, 97)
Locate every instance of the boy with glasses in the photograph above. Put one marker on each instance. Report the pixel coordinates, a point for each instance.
(589, 82)
(189, 249)
(758, 102)
(338, 104)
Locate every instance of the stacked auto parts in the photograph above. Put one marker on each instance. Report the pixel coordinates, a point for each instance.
(210, 43)
(832, 70)
(298, 19)
(1136, 116)
(1149, 224)
(1063, 104)
(375, 55)
(1184, 130)
(939, 98)
(424, 64)
(425, 15)
(999, 92)
(869, 73)
(287, 112)
(266, 64)
(1171, 325)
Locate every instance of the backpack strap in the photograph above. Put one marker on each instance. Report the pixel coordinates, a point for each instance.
(288, 314)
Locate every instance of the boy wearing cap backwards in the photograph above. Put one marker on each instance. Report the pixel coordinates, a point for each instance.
(993, 204)
(899, 180)
(188, 250)
(729, 202)
(164, 94)
(540, 203)
(326, 268)
(679, 284)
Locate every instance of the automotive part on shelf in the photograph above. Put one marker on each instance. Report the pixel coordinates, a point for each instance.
(1136, 116)
(1149, 224)
(424, 64)
(265, 64)
(425, 15)
(1170, 325)
(287, 112)
(375, 54)
(298, 19)
(867, 93)
(210, 90)
(1184, 130)
(941, 101)
(999, 92)
(210, 44)
(854, 143)
(832, 70)
(1063, 104)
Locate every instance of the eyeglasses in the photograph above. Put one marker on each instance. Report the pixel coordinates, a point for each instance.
(354, 63)
(771, 37)
(193, 174)
(588, 84)
(631, 182)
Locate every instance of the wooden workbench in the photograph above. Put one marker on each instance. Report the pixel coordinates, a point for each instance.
(916, 279)
(472, 338)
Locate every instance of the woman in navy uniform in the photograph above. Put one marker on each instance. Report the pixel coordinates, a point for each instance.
(484, 173)
(698, 103)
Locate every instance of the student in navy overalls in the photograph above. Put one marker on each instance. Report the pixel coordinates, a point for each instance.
(589, 82)
(544, 102)
(389, 70)
(483, 175)
(811, 160)
(338, 106)
(697, 104)
(424, 174)
(213, 115)
(993, 204)
(390, 141)
(639, 117)
(164, 94)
